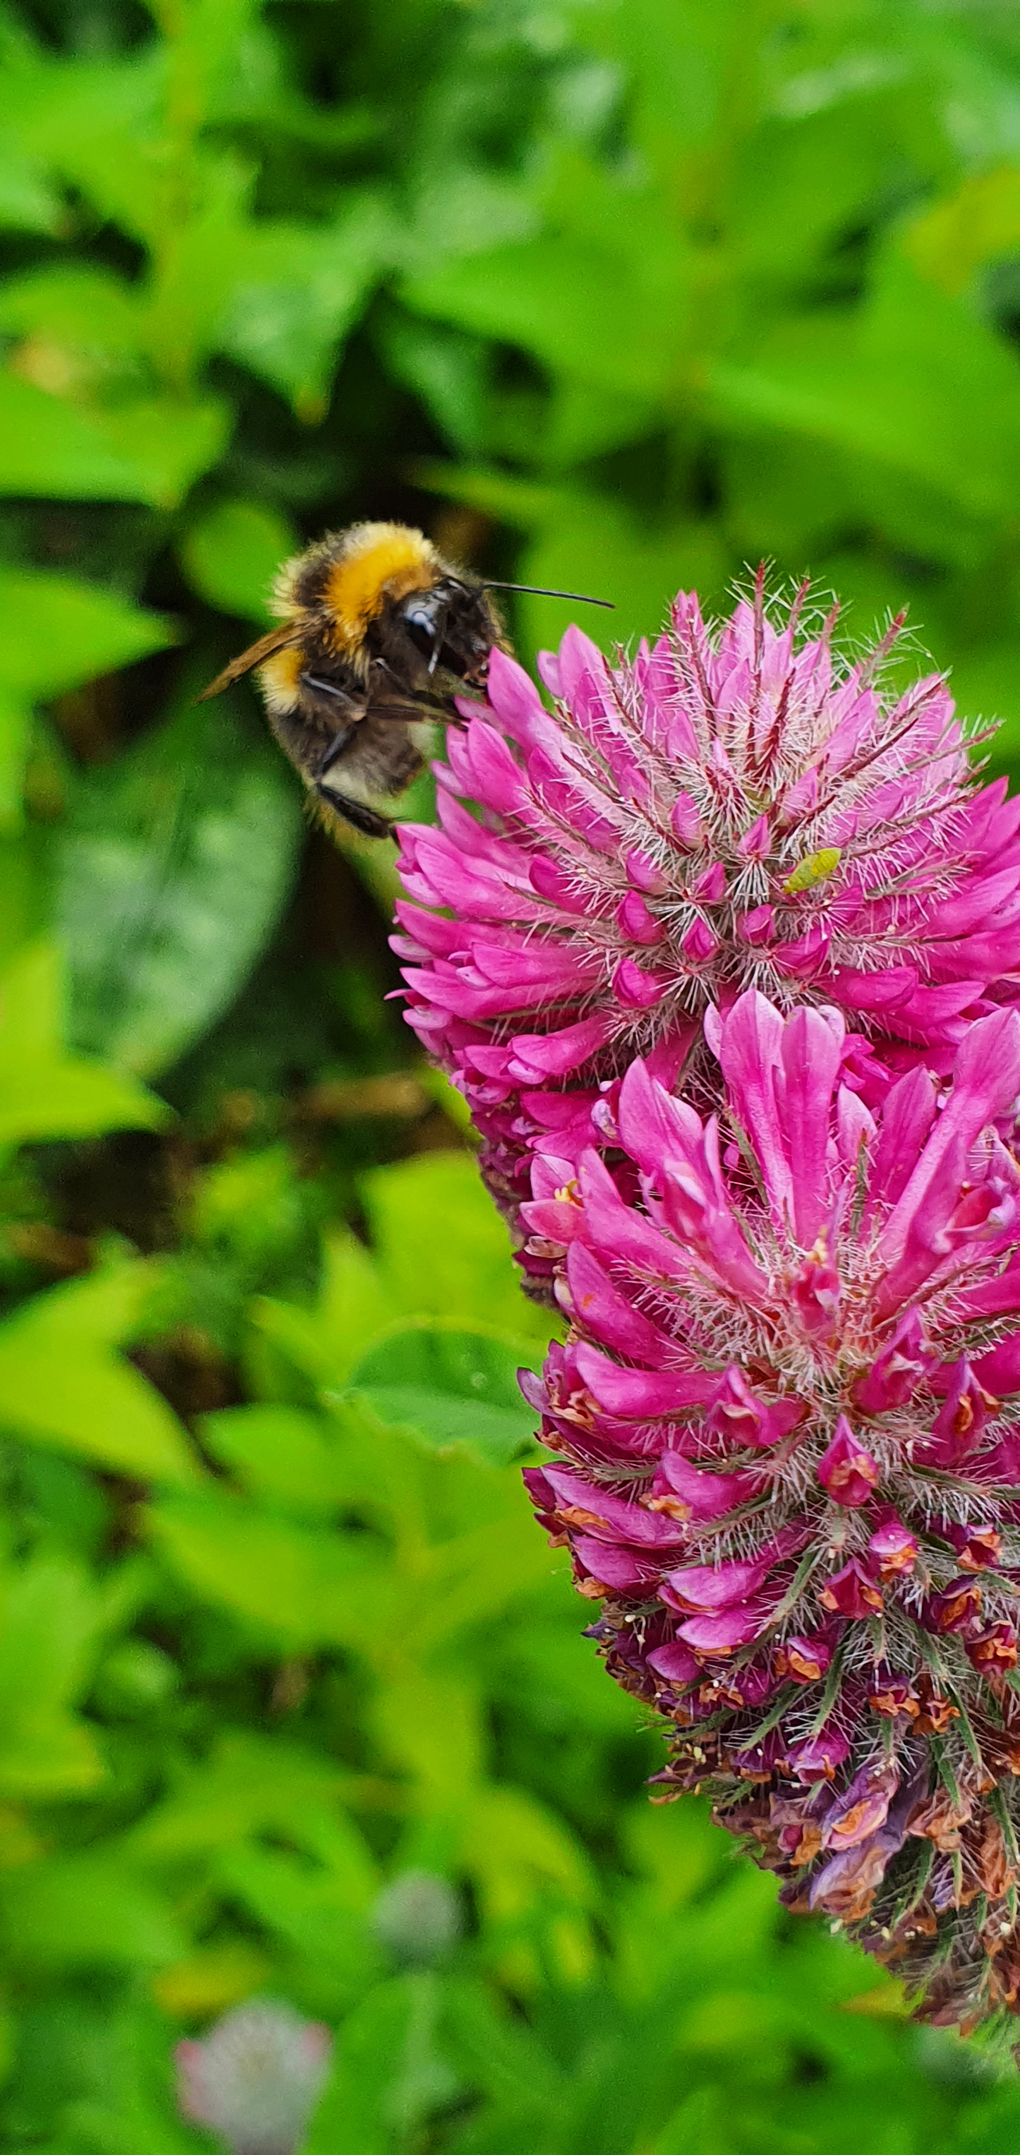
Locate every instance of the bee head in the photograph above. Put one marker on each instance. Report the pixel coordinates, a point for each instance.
(452, 626)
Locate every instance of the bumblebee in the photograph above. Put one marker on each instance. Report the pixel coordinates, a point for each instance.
(377, 634)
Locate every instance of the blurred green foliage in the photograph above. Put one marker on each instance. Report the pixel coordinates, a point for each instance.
(617, 294)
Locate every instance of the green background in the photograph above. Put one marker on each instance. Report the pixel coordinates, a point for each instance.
(617, 296)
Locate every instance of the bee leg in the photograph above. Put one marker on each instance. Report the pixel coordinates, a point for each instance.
(408, 714)
(421, 702)
(430, 700)
(325, 687)
(332, 751)
(354, 812)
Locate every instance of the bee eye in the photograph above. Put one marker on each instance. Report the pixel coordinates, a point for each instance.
(419, 614)
(419, 611)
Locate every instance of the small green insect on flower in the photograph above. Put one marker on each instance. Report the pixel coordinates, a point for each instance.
(813, 870)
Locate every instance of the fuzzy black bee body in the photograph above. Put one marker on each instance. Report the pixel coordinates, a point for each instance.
(377, 636)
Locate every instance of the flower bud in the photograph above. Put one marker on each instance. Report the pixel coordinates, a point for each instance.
(846, 1469)
(418, 1918)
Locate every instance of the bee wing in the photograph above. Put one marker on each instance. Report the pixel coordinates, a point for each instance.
(274, 640)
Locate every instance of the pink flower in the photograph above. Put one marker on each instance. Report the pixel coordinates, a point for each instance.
(787, 1479)
(894, 1548)
(846, 1468)
(256, 2077)
(733, 808)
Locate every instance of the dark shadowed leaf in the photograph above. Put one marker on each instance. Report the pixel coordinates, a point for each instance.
(58, 632)
(173, 869)
(296, 289)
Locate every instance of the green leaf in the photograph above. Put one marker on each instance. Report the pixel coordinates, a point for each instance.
(173, 868)
(449, 371)
(92, 2077)
(25, 904)
(58, 632)
(986, 684)
(296, 1334)
(48, 1622)
(788, 222)
(251, 1784)
(465, 209)
(566, 301)
(467, 1270)
(27, 202)
(353, 1306)
(448, 1385)
(698, 2126)
(45, 1091)
(149, 450)
(389, 2073)
(301, 1587)
(310, 1910)
(193, 266)
(167, 442)
(432, 1725)
(353, 1309)
(47, 447)
(475, 1577)
(15, 735)
(639, 566)
(62, 1384)
(787, 496)
(978, 223)
(295, 291)
(74, 304)
(584, 419)
(515, 1849)
(93, 123)
(506, 2060)
(231, 556)
(86, 1911)
(280, 1454)
(590, 542)
(912, 381)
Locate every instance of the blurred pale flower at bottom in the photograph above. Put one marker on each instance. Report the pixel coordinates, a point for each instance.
(255, 2078)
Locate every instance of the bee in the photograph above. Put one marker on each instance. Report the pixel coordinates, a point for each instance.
(377, 636)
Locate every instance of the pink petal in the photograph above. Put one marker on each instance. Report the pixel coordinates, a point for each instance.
(635, 1394)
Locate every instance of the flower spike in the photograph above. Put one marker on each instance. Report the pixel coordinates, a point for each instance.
(734, 808)
(791, 1487)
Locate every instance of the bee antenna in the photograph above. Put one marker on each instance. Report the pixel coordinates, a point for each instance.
(539, 591)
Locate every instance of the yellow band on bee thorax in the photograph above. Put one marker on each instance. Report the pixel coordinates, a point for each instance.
(357, 586)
